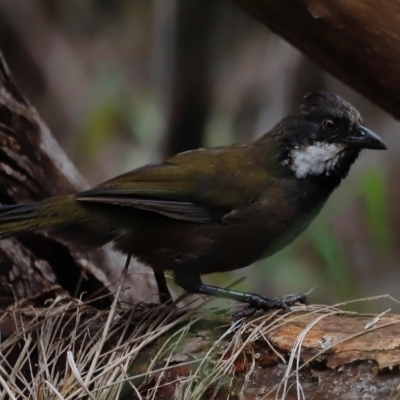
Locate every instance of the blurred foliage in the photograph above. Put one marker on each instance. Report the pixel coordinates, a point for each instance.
(376, 212)
(103, 75)
(101, 121)
(332, 258)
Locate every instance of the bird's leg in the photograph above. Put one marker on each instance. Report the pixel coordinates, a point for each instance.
(163, 291)
(192, 283)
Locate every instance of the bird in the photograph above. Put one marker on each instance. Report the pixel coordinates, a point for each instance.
(216, 209)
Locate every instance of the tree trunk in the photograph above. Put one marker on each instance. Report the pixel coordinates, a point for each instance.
(33, 167)
(191, 85)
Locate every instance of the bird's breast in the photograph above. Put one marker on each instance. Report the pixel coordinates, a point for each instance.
(252, 232)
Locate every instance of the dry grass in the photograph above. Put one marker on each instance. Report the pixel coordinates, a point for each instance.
(69, 350)
(240, 337)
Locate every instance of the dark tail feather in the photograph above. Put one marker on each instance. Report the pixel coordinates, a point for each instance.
(22, 218)
(11, 211)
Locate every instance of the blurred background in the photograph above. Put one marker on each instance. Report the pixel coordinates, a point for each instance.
(125, 82)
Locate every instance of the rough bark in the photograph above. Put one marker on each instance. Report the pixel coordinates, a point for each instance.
(356, 41)
(347, 357)
(323, 353)
(33, 167)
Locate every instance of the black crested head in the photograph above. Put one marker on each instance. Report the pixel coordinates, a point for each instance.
(323, 138)
(321, 104)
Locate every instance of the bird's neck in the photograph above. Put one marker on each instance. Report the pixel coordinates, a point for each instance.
(313, 191)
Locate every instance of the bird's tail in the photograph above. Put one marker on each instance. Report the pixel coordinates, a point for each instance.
(51, 213)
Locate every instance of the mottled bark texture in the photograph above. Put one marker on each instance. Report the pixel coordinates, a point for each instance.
(33, 167)
(314, 353)
(335, 356)
(357, 41)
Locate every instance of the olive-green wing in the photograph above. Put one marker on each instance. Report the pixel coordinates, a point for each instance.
(178, 188)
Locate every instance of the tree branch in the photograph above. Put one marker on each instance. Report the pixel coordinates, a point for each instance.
(356, 41)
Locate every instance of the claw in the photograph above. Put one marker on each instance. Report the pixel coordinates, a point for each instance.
(280, 303)
(246, 312)
(303, 300)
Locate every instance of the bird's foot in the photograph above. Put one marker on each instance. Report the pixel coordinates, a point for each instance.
(257, 302)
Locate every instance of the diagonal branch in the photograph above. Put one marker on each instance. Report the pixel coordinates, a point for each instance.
(356, 41)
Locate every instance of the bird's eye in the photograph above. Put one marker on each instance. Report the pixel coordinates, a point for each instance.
(330, 126)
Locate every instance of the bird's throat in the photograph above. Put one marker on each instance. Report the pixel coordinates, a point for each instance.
(317, 159)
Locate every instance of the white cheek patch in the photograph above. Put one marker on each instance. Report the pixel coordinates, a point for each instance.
(317, 159)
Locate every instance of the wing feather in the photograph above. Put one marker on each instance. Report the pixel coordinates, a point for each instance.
(199, 186)
(184, 211)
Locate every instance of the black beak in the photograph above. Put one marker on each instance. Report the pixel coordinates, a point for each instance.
(366, 139)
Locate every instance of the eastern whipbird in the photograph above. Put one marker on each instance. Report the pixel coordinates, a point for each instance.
(218, 209)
